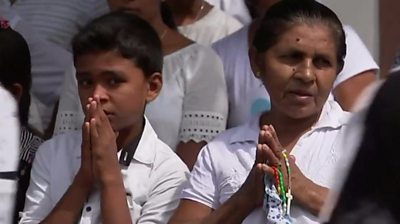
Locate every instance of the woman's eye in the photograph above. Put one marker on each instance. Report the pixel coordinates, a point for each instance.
(322, 62)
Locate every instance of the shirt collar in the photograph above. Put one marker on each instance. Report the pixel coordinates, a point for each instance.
(146, 151)
(332, 116)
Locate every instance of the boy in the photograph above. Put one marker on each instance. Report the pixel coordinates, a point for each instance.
(78, 177)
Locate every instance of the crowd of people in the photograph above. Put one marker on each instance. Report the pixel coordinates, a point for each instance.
(181, 112)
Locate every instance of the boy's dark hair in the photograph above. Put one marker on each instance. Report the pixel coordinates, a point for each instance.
(286, 13)
(123, 32)
(15, 68)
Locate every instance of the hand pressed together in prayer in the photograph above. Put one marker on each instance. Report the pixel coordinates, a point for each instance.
(99, 162)
(269, 154)
(304, 191)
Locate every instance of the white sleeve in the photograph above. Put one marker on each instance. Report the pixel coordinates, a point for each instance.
(9, 151)
(358, 59)
(202, 183)
(164, 194)
(37, 202)
(235, 8)
(205, 104)
(70, 115)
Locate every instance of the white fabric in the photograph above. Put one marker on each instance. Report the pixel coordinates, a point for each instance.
(358, 59)
(48, 65)
(193, 84)
(235, 8)
(350, 143)
(223, 165)
(154, 179)
(9, 153)
(246, 94)
(193, 103)
(59, 20)
(211, 28)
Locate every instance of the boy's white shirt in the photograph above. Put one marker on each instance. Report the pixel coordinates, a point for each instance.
(153, 178)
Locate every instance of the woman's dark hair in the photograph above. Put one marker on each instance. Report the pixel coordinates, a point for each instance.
(166, 15)
(371, 189)
(286, 13)
(123, 32)
(15, 68)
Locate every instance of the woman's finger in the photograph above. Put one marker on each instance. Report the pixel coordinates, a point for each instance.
(270, 156)
(265, 169)
(273, 144)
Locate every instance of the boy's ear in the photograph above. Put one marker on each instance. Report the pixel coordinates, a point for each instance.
(155, 83)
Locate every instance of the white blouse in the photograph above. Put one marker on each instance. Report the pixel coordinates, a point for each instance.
(192, 105)
(152, 180)
(224, 164)
(211, 28)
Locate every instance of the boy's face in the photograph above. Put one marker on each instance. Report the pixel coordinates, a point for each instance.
(122, 87)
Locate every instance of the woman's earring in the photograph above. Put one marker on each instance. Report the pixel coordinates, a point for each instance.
(258, 74)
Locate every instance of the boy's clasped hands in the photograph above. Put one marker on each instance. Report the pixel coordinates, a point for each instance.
(99, 163)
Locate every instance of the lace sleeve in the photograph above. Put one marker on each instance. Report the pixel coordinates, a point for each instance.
(70, 115)
(205, 104)
(201, 126)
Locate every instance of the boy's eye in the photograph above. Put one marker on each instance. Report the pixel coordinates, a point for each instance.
(84, 82)
(115, 81)
(112, 82)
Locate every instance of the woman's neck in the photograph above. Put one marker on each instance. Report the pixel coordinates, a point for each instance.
(288, 129)
(188, 11)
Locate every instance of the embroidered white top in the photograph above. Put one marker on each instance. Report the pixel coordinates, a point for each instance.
(224, 164)
(212, 27)
(154, 179)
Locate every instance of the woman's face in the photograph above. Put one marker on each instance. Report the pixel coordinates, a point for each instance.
(146, 9)
(299, 70)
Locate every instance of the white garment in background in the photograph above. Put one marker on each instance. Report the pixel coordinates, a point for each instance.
(48, 64)
(246, 94)
(224, 164)
(192, 105)
(154, 179)
(235, 8)
(211, 28)
(351, 142)
(59, 20)
(9, 153)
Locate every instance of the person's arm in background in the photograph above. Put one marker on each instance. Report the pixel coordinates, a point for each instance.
(235, 8)
(205, 105)
(359, 71)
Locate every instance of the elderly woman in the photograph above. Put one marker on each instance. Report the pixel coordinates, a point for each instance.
(297, 53)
